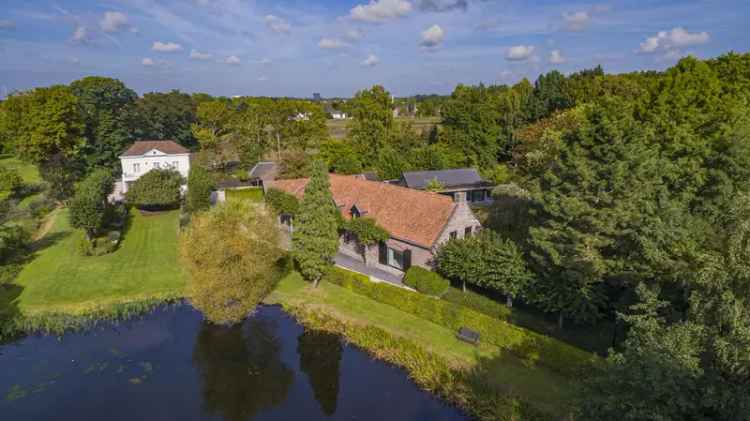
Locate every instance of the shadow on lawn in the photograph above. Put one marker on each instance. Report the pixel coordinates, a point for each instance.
(48, 240)
(497, 396)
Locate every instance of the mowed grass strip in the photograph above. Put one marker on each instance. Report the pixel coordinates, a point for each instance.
(60, 280)
(254, 194)
(547, 390)
(28, 172)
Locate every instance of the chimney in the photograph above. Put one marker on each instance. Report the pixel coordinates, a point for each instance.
(459, 197)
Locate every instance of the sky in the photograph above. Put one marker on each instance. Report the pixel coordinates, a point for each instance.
(336, 47)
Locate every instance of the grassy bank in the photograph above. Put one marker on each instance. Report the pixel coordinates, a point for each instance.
(502, 374)
(254, 194)
(58, 280)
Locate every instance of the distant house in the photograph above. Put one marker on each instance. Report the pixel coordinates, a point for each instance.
(146, 155)
(335, 114)
(460, 180)
(418, 222)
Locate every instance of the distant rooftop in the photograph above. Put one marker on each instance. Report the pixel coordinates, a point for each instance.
(169, 147)
(264, 170)
(459, 177)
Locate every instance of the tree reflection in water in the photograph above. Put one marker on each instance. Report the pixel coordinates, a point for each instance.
(320, 358)
(241, 369)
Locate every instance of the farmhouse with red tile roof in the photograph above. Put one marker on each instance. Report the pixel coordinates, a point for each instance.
(417, 221)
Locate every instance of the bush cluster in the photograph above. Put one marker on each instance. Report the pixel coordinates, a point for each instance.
(282, 202)
(426, 282)
(529, 346)
(156, 190)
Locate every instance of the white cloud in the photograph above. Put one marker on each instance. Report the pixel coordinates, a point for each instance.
(556, 57)
(265, 61)
(331, 43)
(442, 5)
(166, 47)
(197, 55)
(576, 21)
(370, 61)
(380, 10)
(262, 78)
(676, 39)
(232, 60)
(74, 60)
(276, 24)
(432, 36)
(113, 22)
(354, 34)
(148, 62)
(7, 24)
(80, 34)
(519, 52)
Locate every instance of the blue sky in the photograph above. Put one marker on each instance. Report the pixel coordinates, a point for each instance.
(335, 47)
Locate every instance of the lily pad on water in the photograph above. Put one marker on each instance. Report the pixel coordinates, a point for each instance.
(16, 392)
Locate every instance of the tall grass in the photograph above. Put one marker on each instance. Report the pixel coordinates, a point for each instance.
(468, 389)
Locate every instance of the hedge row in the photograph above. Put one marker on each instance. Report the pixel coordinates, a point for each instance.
(529, 346)
(467, 389)
(426, 281)
(478, 302)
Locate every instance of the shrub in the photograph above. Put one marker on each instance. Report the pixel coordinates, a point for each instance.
(426, 282)
(10, 182)
(157, 189)
(41, 206)
(89, 206)
(282, 202)
(200, 186)
(529, 346)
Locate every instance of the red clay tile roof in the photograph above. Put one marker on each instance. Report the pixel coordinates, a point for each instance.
(167, 146)
(412, 215)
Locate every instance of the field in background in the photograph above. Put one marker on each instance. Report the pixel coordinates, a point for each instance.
(337, 129)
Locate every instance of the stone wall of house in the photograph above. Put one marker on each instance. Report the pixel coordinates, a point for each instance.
(462, 218)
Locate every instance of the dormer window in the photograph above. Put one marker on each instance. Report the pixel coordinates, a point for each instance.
(355, 212)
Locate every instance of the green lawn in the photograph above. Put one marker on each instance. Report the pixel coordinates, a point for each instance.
(547, 389)
(59, 279)
(28, 172)
(254, 194)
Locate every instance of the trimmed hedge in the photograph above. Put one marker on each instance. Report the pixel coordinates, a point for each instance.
(426, 282)
(529, 346)
(478, 302)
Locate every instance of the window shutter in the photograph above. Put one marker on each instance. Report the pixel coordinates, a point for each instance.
(407, 259)
(382, 253)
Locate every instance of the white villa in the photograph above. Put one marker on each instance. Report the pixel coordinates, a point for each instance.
(146, 155)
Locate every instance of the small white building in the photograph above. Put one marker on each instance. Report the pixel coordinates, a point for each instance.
(146, 155)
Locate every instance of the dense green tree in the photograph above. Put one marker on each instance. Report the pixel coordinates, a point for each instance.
(212, 130)
(471, 121)
(282, 202)
(485, 260)
(200, 187)
(10, 182)
(14, 247)
(157, 189)
(601, 218)
(391, 163)
(372, 121)
(60, 174)
(320, 358)
(89, 206)
(230, 253)
(548, 96)
(42, 123)
(108, 108)
(315, 240)
(167, 116)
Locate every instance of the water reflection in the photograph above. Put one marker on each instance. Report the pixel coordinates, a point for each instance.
(320, 358)
(241, 369)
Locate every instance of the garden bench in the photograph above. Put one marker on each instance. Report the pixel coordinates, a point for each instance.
(467, 335)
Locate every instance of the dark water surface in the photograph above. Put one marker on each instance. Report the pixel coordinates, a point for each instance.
(170, 365)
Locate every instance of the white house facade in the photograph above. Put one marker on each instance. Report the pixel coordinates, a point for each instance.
(144, 156)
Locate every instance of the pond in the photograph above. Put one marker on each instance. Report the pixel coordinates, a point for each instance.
(171, 365)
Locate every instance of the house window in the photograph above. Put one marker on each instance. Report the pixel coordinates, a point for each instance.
(477, 196)
(285, 219)
(467, 232)
(136, 168)
(399, 259)
(157, 165)
(176, 164)
(453, 235)
(348, 237)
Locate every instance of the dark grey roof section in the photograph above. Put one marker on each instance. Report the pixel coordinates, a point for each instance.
(265, 170)
(459, 177)
(370, 176)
